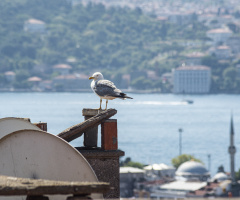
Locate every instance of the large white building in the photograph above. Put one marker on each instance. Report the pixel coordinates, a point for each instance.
(192, 79)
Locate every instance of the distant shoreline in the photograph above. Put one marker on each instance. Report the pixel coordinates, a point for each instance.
(79, 90)
(89, 91)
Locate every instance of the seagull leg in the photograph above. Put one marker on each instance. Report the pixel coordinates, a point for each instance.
(106, 104)
(100, 108)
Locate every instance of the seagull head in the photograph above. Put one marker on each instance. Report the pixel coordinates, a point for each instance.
(96, 76)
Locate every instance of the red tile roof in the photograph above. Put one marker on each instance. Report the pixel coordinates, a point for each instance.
(34, 79)
(35, 21)
(62, 66)
(9, 73)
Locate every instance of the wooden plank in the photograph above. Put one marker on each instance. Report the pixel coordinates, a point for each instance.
(78, 129)
(11, 186)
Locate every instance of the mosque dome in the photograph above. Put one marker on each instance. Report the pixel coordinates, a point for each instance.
(220, 177)
(192, 169)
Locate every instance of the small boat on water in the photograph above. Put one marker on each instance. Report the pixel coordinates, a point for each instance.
(189, 101)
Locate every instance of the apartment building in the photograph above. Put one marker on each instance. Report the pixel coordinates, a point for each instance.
(192, 79)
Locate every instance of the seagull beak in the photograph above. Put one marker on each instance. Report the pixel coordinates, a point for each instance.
(91, 78)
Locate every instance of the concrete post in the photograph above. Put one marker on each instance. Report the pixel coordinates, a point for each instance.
(90, 136)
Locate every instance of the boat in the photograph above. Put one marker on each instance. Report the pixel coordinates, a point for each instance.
(188, 101)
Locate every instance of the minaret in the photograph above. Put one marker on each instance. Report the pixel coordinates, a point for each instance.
(232, 150)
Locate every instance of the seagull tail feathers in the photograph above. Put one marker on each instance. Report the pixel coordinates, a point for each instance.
(124, 96)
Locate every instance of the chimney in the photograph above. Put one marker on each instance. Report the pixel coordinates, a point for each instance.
(105, 159)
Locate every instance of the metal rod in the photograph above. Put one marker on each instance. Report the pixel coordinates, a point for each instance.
(180, 141)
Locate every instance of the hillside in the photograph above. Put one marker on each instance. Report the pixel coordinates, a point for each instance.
(116, 41)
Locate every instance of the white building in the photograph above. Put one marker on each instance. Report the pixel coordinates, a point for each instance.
(34, 26)
(219, 35)
(192, 79)
(129, 176)
(162, 170)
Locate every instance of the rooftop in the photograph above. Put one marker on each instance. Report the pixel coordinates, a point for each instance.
(223, 47)
(182, 185)
(161, 166)
(197, 67)
(62, 66)
(219, 31)
(191, 167)
(10, 73)
(131, 170)
(72, 76)
(34, 79)
(35, 21)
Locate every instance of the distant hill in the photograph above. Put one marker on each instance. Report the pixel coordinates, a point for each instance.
(115, 40)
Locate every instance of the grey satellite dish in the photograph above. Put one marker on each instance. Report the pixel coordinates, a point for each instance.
(40, 155)
(11, 124)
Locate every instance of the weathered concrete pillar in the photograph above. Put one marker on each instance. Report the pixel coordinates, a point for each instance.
(90, 136)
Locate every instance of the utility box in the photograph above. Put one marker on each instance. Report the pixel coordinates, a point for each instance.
(109, 139)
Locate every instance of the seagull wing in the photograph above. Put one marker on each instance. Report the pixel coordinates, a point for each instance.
(106, 88)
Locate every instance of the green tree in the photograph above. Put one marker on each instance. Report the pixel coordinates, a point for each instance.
(22, 75)
(237, 175)
(141, 83)
(129, 163)
(221, 169)
(231, 80)
(177, 161)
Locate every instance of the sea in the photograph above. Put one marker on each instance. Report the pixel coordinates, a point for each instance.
(148, 124)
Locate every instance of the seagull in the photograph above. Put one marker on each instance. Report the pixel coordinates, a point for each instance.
(105, 89)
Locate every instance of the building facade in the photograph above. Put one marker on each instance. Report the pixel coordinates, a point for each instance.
(192, 80)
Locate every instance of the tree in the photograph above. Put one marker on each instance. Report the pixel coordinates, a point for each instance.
(141, 83)
(237, 175)
(177, 161)
(231, 81)
(129, 163)
(221, 169)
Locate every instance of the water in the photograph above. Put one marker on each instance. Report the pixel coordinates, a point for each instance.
(147, 125)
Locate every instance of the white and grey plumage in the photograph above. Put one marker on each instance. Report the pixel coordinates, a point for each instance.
(105, 89)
